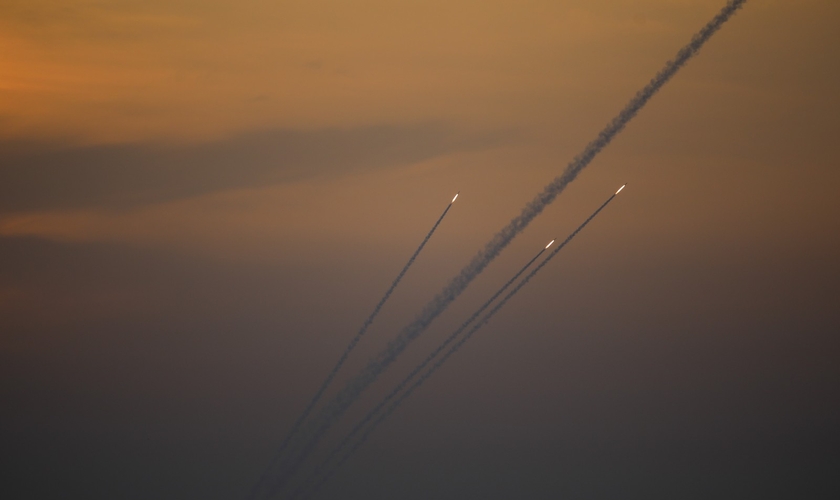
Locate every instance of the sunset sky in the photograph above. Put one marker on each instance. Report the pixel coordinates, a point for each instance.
(202, 201)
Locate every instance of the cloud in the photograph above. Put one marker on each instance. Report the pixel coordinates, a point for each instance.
(48, 176)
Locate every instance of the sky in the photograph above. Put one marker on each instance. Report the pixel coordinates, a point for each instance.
(202, 201)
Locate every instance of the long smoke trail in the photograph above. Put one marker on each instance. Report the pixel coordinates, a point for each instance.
(320, 392)
(440, 302)
(361, 424)
(443, 359)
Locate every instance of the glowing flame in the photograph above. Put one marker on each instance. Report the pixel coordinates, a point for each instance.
(455, 198)
(619, 189)
(549, 244)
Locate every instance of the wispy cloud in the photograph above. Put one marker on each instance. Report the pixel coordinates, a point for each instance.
(43, 176)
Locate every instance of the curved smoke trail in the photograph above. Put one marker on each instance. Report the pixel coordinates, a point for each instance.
(320, 392)
(322, 422)
(439, 363)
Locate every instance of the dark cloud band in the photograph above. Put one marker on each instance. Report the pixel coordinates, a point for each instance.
(45, 176)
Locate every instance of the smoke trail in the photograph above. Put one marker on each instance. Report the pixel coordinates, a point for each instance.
(492, 249)
(360, 425)
(442, 360)
(344, 355)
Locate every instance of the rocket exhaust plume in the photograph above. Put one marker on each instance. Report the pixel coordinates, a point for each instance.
(320, 392)
(338, 405)
(360, 425)
(402, 397)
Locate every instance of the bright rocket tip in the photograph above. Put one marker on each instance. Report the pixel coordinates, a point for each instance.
(549, 244)
(619, 189)
(455, 198)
